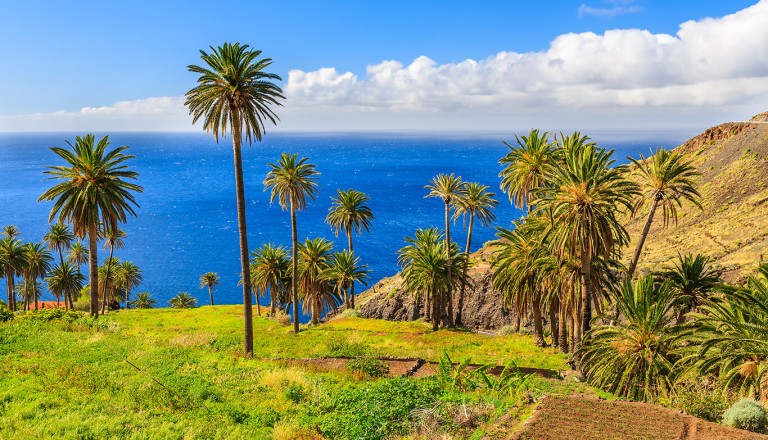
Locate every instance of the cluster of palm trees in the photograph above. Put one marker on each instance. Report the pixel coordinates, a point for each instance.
(563, 258)
(316, 275)
(35, 263)
(434, 268)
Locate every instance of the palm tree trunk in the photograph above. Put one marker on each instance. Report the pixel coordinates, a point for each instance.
(242, 229)
(562, 327)
(34, 292)
(256, 299)
(435, 312)
(427, 306)
(459, 321)
(210, 293)
(71, 302)
(106, 281)
(643, 236)
(553, 306)
(127, 298)
(352, 288)
(11, 290)
(93, 270)
(538, 328)
(272, 300)
(586, 292)
(294, 270)
(448, 293)
(65, 293)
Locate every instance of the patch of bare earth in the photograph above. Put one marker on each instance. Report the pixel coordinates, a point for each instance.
(581, 418)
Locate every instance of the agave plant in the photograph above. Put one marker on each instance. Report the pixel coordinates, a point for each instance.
(183, 301)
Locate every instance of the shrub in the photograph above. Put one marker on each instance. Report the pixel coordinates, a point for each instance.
(294, 391)
(700, 399)
(338, 346)
(52, 315)
(5, 313)
(367, 367)
(507, 330)
(746, 414)
(283, 318)
(351, 313)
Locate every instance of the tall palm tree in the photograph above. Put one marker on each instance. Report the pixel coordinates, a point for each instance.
(13, 260)
(65, 280)
(269, 265)
(692, 277)
(476, 202)
(635, 357)
(345, 270)
(109, 283)
(38, 264)
(209, 280)
(59, 237)
(144, 301)
(527, 167)
(447, 188)
(292, 181)
(315, 260)
(350, 212)
(78, 254)
(586, 195)
(183, 301)
(666, 179)
(234, 92)
(113, 238)
(94, 190)
(129, 277)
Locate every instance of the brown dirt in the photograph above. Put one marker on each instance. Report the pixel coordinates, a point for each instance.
(581, 418)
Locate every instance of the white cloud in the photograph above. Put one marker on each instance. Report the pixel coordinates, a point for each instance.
(710, 69)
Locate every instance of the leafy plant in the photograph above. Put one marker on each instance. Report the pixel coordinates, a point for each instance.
(456, 375)
(746, 414)
(367, 367)
(510, 382)
(339, 346)
(699, 398)
(294, 391)
(5, 313)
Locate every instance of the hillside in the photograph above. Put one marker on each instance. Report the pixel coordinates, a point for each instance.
(732, 227)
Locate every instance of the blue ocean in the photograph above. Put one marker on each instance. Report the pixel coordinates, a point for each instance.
(187, 224)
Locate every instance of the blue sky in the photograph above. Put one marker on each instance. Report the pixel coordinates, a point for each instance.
(130, 57)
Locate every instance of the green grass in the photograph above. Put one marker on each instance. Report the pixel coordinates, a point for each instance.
(73, 380)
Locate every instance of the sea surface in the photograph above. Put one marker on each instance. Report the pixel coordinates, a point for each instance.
(187, 224)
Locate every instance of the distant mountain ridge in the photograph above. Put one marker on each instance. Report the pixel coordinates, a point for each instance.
(732, 227)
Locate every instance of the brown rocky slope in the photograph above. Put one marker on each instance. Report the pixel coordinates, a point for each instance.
(732, 227)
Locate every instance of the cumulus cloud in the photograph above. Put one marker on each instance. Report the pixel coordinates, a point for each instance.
(708, 70)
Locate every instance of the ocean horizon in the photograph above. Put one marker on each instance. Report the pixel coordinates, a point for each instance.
(187, 225)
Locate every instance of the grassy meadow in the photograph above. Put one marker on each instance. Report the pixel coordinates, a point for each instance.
(80, 378)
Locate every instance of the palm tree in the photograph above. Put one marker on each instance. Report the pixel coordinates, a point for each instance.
(476, 202)
(183, 301)
(144, 301)
(292, 181)
(113, 238)
(129, 277)
(730, 336)
(315, 259)
(78, 254)
(527, 167)
(11, 231)
(38, 264)
(349, 212)
(209, 280)
(94, 192)
(269, 265)
(517, 271)
(234, 92)
(59, 237)
(345, 270)
(666, 178)
(65, 280)
(13, 260)
(692, 277)
(634, 358)
(447, 188)
(583, 202)
(109, 282)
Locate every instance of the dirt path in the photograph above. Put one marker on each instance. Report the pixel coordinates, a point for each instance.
(581, 418)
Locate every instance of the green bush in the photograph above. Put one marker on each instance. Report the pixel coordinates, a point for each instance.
(746, 414)
(5, 313)
(376, 410)
(368, 367)
(339, 346)
(507, 330)
(51, 315)
(700, 399)
(351, 313)
(294, 391)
